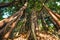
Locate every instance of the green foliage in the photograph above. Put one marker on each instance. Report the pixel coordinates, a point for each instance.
(32, 5)
(54, 5)
(36, 5)
(5, 1)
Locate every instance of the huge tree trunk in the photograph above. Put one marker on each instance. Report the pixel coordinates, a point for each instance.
(14, 23)
(53, 16)
(33, 24)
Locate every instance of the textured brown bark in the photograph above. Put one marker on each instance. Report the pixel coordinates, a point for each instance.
(53, 16)
(18, 17)
(11, 29)
(8, 33)
(33, 24)
(14, 23)
(5, 21)
(56, 26)
(11, 18)
(56, 14)
(50, 19)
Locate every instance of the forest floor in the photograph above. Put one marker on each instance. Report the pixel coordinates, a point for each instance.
(39, 35)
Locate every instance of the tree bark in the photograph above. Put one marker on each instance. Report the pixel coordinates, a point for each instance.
(53, 16)
(33, 24)
(18, 17)
(13, 26)
(50, 19)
